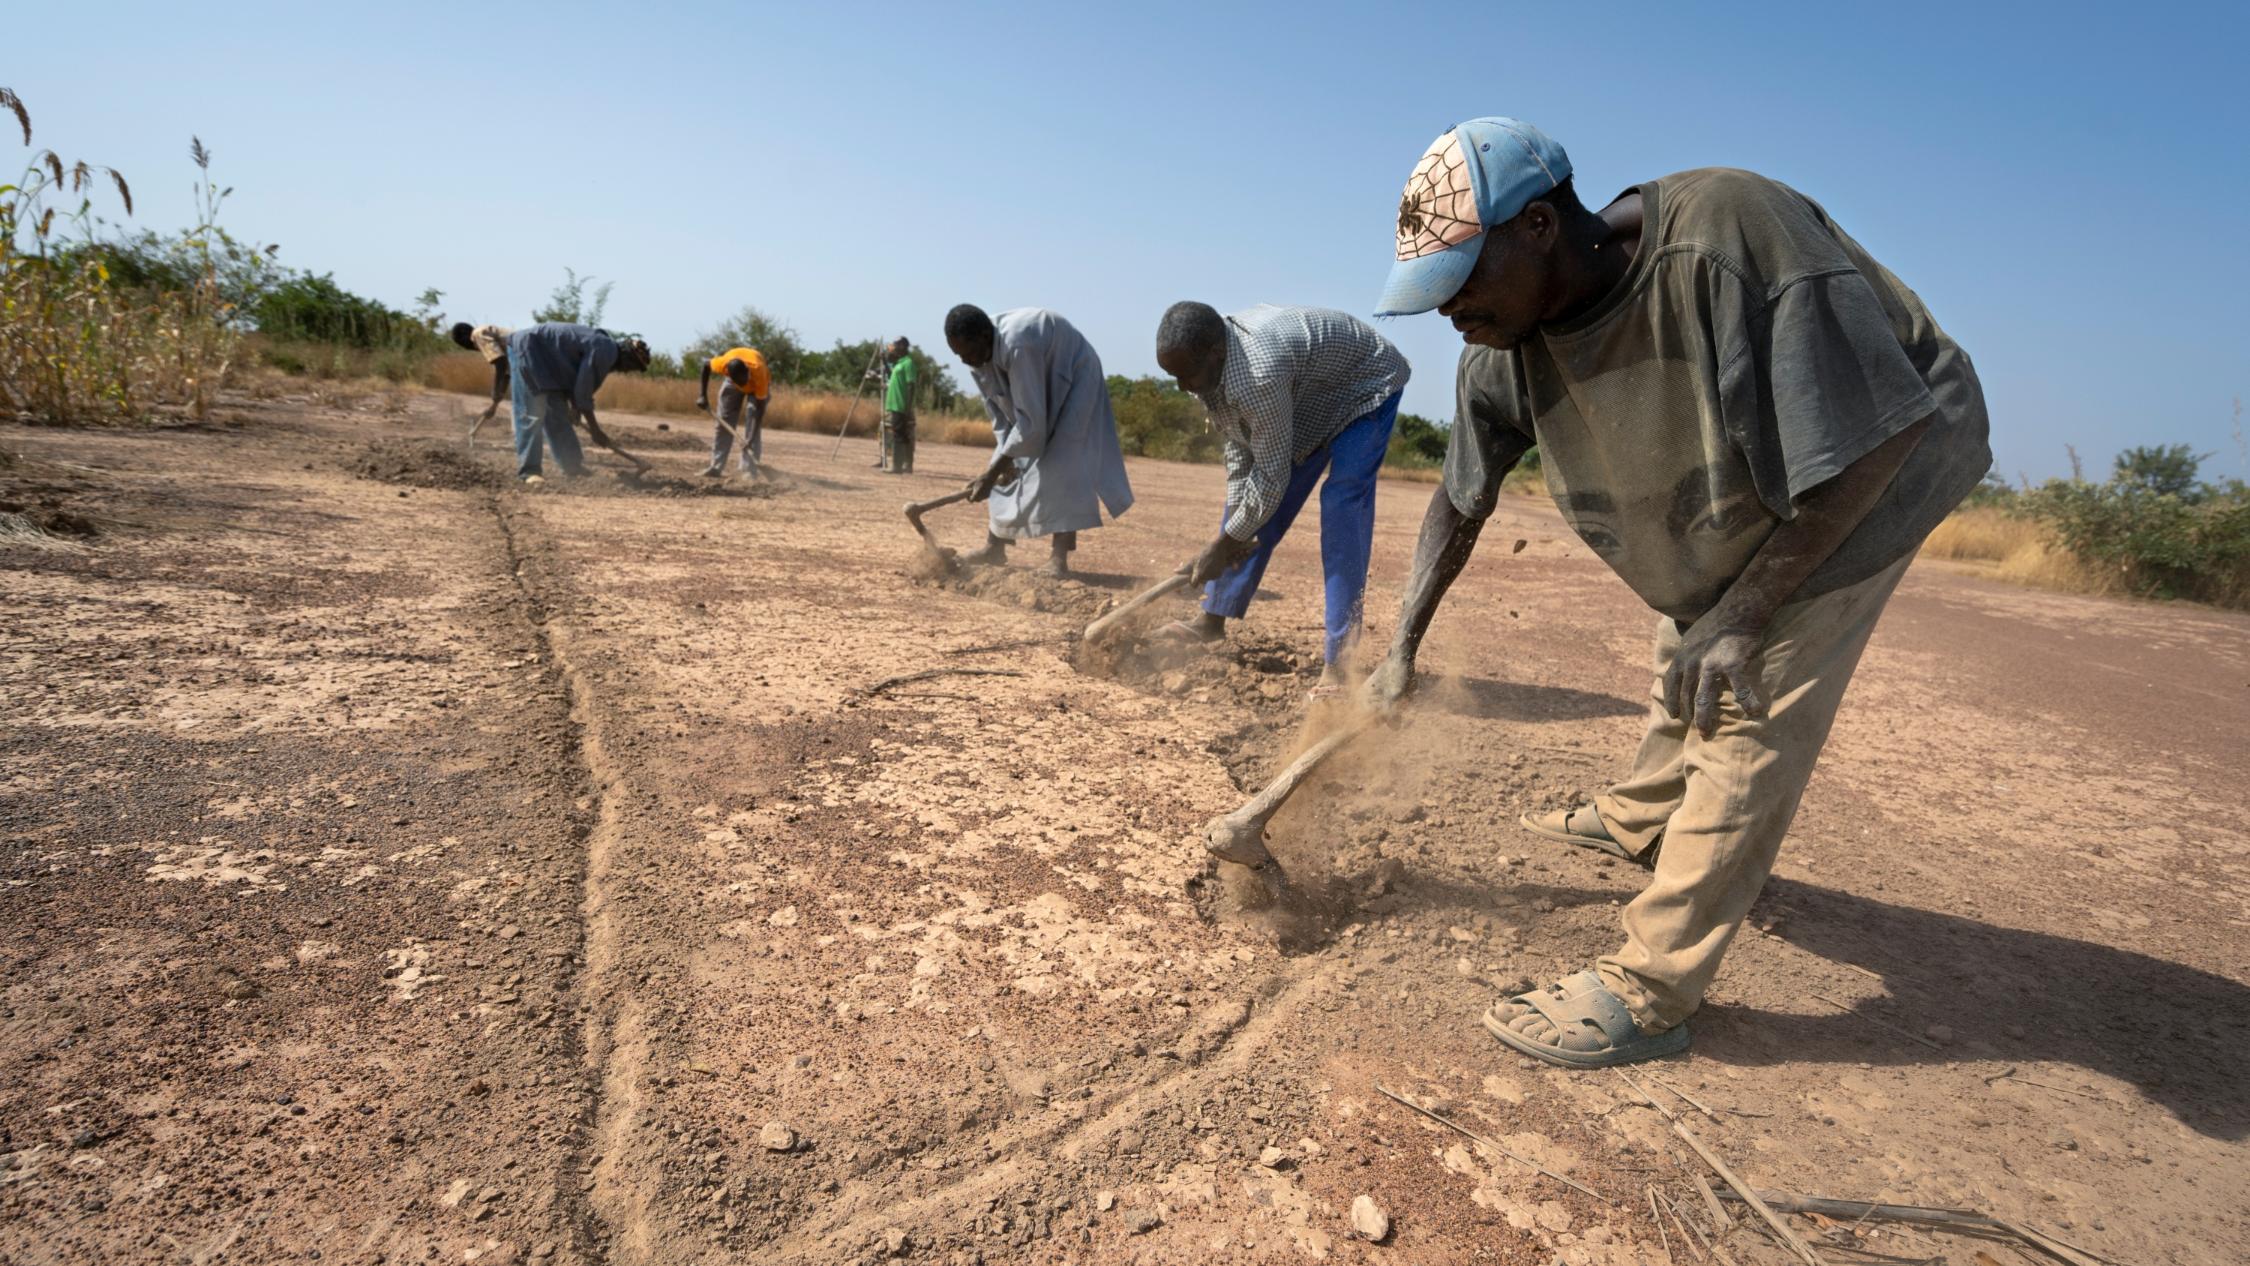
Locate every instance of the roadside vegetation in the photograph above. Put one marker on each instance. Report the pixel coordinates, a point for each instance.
(2154, 528)
(83, 340)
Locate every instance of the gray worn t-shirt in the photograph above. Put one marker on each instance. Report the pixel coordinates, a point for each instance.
(1752, 352)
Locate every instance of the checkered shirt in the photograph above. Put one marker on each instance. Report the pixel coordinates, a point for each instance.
(1294, 378)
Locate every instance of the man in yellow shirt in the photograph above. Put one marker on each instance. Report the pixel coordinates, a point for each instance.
(742, 406)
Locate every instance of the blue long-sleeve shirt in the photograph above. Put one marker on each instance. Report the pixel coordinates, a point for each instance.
(556, 356)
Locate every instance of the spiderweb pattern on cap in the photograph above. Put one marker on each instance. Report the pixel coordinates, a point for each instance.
(1439, 208)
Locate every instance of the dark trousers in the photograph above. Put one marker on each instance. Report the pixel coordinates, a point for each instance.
(898, 443)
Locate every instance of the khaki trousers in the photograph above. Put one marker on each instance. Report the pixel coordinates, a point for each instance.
(1721, 805)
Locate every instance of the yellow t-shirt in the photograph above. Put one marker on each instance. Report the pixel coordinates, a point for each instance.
(760, 382)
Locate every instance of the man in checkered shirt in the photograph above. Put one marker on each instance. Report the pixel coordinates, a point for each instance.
(1295, 393)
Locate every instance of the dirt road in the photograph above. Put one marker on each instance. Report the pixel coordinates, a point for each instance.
(462, 873)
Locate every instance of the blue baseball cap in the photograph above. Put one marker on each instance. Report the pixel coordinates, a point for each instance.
(1481, 173)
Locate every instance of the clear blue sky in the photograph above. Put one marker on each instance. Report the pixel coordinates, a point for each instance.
(2068, 189)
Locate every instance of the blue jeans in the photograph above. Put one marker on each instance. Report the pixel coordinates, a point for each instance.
(551, 413)
(1347, 527)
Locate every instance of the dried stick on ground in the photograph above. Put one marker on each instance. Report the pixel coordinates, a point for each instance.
(2010, 1075)
(1796, 1244)
(1964, 1220)
(1474, 1137)
(1688, 1234)
(869, 692)
(1646, 1097)
(1017, 645)
(1720, 1222)
(1689, 1099)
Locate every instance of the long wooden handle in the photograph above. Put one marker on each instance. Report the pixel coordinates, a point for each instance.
(1176, 581)
(1266, 803)
(1240, 836)
(601, 437)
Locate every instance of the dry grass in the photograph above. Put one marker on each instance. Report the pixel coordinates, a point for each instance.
(2014, 548)
(964, 431)
(821, 412)
(1983, 535)
(464, 372)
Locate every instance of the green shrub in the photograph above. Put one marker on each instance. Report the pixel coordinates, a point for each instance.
(1416, 443)
(2170, 544)
(1994, 492)
(1157, 419)
(79, 342)
(314, 309)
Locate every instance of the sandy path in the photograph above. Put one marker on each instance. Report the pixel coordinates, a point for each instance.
(690, 893)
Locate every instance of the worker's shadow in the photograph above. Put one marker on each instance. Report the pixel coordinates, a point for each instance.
(1492, 700)
(2179, 1034)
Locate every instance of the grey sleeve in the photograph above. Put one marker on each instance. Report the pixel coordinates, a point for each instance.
(1815, 381)
(1489, 436)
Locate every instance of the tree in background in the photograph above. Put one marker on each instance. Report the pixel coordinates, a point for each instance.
(2155, 528)
(770, 335)
(1157, 419)
(305, 308)
(569, 301)
(839, 369)
(2169, 470)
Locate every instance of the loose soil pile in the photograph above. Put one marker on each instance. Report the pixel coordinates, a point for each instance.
(661, 485)
(426, 464)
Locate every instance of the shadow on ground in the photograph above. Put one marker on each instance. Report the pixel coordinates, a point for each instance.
(1492, 700)
(2177, 1033)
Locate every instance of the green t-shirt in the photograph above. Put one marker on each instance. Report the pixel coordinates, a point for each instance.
(899, 396)
(1751, 353)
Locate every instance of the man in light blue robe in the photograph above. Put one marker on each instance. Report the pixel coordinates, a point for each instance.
(1055, 460)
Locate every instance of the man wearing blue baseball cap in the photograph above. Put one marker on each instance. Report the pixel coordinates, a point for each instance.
(1755, 425)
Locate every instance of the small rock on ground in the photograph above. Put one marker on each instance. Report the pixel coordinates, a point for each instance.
(1370, 1221)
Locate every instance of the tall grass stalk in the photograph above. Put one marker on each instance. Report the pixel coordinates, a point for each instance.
(76, 345)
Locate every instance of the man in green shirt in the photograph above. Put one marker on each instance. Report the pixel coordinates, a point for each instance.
(1754, 424)
(898, 410)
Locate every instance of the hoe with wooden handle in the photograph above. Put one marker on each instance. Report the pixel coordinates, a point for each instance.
(1240, 836)
(1177, 580)
(601, 437)
(915, 511)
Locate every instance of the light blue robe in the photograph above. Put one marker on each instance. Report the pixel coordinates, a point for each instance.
(1050, 409)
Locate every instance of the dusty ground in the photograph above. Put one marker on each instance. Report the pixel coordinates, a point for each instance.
(395, 865)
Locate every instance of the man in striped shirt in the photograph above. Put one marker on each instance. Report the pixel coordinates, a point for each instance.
(1295, 394)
